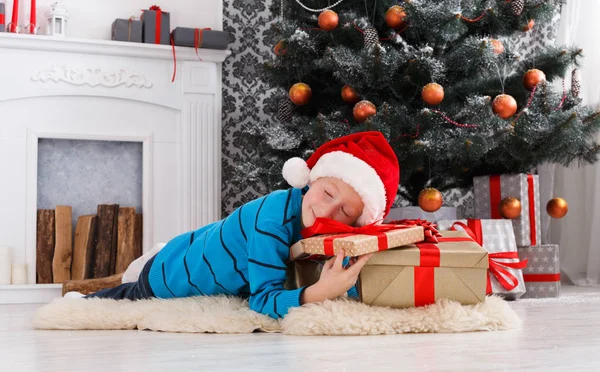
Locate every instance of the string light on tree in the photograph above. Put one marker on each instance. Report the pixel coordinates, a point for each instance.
(504, 106)
(432, 94)
(430, 199)
(300, 94)
(349, 95)
(532, 78)
(394, 17)
(510, 208)
(557, 207)
(328, 20)
(363, 110)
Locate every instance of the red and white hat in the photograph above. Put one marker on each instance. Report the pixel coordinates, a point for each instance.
(364, 160)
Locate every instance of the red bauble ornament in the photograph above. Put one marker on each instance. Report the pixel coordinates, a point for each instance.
(430, 199)
(300, 94)
(510, 208)
(349, 95)
(432, 94)
(504, 106)
(497, 45)
(328, 20)
(280, 49)
(363, 110)
(394, 17)
(557, 207)
(532, 78)
(529, 25)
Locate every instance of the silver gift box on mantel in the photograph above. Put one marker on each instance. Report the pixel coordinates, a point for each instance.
(490, 190)
(498, 236)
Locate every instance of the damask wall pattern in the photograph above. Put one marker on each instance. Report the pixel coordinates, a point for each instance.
(247, 102)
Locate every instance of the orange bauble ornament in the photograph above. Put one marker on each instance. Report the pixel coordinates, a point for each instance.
(279, 48)
(430, 199)
(557, 207)
(300, 94)
(497, 45)
(363, 110)
(432, 94)
(394, 17)
(504, 106)
(328, 20)
(510, 208)
(532, 78)
(349, 95)
(529, 25)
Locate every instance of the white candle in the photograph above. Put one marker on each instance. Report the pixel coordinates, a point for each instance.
(5, 262)
(19, 274)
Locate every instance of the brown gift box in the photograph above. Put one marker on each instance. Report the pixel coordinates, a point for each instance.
(397, 279)
(303, 273)
(328, 245)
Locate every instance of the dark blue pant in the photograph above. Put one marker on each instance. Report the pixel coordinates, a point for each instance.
(131, 291)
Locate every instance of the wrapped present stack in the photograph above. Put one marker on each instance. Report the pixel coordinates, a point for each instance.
(505, 276)
(413, 264)
(492, 197)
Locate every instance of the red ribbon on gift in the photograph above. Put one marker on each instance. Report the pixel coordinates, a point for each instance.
(496, 196)
(431, 233)
(158, 11)
(198, 39)
(2, 19)
(329, 226)
(497, 268)
(424, 274)
(541, 277)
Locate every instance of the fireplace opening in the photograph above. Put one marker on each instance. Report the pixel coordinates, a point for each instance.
(89, 208)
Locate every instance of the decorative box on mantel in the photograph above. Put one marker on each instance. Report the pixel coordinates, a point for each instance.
(107, 90)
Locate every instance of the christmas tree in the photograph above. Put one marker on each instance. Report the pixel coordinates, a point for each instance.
(440, 79)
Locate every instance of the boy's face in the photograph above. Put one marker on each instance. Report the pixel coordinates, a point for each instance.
(331, 198)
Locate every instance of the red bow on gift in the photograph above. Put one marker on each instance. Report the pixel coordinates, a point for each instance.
(155, 8)
(329, 226)
(497, 268)
(431, 233)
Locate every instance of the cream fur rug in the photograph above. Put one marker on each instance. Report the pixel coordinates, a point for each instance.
(221, 314)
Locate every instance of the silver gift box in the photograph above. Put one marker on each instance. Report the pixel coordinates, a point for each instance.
(542, 275)
(515, 185)
(498, 236)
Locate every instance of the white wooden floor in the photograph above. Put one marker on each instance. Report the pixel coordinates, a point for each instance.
(559, 334)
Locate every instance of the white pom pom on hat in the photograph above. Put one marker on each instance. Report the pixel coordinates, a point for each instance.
(296, 172)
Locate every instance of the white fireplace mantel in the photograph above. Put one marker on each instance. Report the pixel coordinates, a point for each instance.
(108, 90)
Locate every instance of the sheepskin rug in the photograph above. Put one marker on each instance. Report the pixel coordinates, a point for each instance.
(222, 314)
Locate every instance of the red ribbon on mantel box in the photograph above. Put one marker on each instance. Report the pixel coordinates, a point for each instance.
(496, 196)
(197, 44)
(2, 19)
(157, 29)
(496, 267)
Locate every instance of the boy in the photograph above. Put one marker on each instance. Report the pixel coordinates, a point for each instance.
(353, 179)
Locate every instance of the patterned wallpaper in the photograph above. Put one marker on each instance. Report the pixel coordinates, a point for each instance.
(247, 103)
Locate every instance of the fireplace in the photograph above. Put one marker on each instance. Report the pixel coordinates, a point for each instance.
(90, 90)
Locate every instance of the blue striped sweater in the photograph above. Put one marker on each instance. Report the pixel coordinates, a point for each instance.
(244, 254)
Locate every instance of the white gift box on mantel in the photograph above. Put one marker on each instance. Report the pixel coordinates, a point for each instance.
(497, 237)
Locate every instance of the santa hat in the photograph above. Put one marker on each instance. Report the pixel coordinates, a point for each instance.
(364, 160)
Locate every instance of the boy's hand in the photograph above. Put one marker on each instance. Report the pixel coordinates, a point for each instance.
(335, 280)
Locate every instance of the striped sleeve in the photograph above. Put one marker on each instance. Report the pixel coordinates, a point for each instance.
(267, 252)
